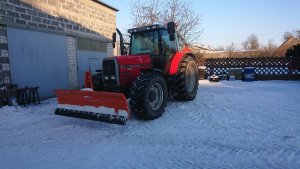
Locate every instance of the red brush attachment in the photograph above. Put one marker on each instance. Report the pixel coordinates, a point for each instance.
(92, 98)
(88, 82)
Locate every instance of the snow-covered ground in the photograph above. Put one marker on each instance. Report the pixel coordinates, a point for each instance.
(231, 124)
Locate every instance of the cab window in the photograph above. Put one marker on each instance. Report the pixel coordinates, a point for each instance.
(144, 43)
(168, 47)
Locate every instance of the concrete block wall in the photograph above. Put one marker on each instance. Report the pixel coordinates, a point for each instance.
(75, 17)
(4, 59)
(72, 62)
(110, 50)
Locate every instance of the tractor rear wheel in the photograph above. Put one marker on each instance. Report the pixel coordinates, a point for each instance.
(186, 80)
(148, 96)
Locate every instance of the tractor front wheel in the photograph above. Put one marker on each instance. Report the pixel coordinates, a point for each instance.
(148, 96)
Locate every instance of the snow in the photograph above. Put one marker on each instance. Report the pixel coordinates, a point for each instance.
(101, 109)
(87, 89)
(231, 124)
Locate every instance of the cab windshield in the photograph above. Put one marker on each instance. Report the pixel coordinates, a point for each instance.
(144, 43)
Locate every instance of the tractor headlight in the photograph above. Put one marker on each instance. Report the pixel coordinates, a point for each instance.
(106, 77)
(113, 77)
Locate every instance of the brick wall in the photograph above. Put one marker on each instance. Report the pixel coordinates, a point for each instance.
(73, 17)
(4, 59)
(72, 62)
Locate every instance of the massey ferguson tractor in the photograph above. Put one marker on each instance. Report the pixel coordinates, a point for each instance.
(154, 69)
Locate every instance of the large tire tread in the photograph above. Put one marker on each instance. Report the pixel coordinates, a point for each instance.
(138, 97)
(180, 92)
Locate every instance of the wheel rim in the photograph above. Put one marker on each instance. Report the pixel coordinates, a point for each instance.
(190, 79)
(156, 96)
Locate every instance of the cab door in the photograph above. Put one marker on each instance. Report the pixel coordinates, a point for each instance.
(155, 52)
(167, 50)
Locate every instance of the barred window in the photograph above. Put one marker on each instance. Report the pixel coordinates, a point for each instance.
(91, 45)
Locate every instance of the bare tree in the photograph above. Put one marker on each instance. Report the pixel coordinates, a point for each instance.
(254, 42)
(269, 49)
(144, 12)
(287, 35)
(245, 45)
(251, 43)
(188, 22)
(231, 50)
(297, 33)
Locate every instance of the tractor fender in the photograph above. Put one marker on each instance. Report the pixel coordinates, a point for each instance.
(153, 71)
(178, 57)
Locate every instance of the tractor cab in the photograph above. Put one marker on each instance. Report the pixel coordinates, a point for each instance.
(158, 41)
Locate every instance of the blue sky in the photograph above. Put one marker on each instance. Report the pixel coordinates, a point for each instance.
(227, 21)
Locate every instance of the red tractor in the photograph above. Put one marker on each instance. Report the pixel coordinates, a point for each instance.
(155, 68)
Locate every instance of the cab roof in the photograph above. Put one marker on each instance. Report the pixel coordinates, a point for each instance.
(146, 28)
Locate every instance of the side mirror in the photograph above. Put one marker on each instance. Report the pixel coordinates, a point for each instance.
(171, 27)
(172, 37)
(114, 37)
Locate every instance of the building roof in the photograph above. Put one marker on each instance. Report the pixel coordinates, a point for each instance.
(106, 5)
(281, 50)
(202, 48)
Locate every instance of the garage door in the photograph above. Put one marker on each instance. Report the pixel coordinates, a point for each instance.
(89, 57)
(38, 59)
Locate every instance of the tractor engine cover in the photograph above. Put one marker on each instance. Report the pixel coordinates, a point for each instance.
(123, 70)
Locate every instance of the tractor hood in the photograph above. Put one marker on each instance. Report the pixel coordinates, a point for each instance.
(127, 67)
(131, 61)
(130, 67)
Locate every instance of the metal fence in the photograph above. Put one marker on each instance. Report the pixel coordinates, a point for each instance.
(265, 68)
